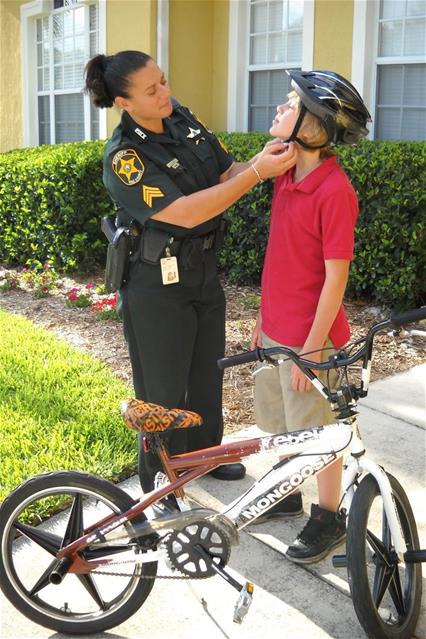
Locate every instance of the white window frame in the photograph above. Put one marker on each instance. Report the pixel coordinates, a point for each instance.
(30, 12)
(365, 56)
(163, 36)
(238, 58)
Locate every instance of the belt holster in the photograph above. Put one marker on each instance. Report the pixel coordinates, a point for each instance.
(121, 243)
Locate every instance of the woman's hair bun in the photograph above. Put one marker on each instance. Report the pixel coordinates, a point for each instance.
(95, 84)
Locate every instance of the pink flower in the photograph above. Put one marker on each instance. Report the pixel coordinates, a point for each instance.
(90, 285)
(72, 297)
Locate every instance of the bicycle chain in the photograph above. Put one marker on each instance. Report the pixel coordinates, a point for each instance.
(126, 574)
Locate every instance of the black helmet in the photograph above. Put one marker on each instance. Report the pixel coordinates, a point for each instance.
(327, 94)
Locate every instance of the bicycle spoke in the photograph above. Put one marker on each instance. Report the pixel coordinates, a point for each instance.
(382, 577)
(74, 528)
(379, 548)
(49, 542)
(91, 587)
(44, 580)
(395, 592)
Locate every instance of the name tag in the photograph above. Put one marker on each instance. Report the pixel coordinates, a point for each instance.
(169, 270)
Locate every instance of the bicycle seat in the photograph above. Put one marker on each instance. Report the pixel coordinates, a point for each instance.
(145, 417)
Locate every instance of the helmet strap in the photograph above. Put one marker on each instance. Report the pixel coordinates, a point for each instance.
(294, 138)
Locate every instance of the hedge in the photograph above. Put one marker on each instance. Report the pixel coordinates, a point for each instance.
(52, 199)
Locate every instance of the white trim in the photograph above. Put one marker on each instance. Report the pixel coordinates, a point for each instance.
(29, 11)
(238, 56)
(364, 41)
(102, 44)
(308, 35)
(163, 36)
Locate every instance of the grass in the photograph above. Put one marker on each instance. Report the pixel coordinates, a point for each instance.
(59, 409)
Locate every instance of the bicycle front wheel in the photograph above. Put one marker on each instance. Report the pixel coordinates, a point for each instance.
(386, 593)
(82, 603)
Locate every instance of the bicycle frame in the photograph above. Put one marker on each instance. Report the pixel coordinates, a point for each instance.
(308, 451)
(322, 445)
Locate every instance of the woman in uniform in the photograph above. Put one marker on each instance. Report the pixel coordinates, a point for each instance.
(171, 177)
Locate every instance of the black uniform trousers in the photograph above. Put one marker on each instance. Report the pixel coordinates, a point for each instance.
(176, 334)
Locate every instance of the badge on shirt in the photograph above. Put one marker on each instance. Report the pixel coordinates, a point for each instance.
(128, 166)
(193, 132)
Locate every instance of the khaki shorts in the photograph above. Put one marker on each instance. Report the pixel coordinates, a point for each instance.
(280, 409)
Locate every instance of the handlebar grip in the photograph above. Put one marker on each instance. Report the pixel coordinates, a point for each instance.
(410, 316)
(241, 358)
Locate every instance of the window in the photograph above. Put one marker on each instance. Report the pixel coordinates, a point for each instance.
(275, 44)
(400, 112)
(65, 39)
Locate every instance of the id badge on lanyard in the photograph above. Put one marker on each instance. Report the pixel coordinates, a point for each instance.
(169, 268)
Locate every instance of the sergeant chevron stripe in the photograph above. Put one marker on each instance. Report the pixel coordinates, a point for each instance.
(149, 193)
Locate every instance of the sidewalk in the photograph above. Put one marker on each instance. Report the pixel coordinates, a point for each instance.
(290, 601)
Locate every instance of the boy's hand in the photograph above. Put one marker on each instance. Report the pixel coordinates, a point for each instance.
(256, 336)
(298, 380)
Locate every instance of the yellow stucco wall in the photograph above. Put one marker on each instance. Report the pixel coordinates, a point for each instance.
(220, 65)
(333, 35)
(198, 50)
(130, 25)
(10, 75)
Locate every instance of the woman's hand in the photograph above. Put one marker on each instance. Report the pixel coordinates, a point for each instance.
(275, 159)
(256, 336)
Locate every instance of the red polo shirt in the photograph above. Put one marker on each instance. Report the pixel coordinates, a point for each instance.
(311, 221)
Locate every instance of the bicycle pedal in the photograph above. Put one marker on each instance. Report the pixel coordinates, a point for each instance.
(244, 602)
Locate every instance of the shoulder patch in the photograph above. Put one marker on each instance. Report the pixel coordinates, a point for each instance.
(128, 166)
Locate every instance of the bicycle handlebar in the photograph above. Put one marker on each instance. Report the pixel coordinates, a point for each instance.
(409, 317)
(336, 360)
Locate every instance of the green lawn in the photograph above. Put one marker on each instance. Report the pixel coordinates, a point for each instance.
(59, 409)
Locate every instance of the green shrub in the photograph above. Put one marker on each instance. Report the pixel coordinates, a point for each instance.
(52, 200)
(59, 409)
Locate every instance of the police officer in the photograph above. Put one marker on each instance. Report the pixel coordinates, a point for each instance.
(169, 176)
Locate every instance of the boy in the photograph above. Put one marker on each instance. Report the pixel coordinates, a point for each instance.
(310, 246)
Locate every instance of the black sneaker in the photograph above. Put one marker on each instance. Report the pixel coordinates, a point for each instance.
(324, 531)
(166, 506)
(289, 508)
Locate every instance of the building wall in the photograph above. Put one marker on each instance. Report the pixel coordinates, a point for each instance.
(10, 75)
(130, 25)
(220, 66)
(191, 54)
(333, 36)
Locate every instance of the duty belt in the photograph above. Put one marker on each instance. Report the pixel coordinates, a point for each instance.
(204, 242)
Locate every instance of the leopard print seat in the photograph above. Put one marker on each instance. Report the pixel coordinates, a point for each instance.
(153, 418)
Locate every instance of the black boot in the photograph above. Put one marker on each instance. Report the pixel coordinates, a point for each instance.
(229, 472)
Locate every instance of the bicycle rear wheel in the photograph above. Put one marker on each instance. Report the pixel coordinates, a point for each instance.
(386, 593)
(80, 604)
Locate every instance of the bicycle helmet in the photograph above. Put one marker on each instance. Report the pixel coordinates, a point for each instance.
(328, 95)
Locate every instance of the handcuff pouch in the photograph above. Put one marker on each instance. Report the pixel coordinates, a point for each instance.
(153, 245)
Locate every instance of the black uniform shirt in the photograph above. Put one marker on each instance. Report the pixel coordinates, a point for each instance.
(144, 171)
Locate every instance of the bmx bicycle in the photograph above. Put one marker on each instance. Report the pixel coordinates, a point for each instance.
(92, 563)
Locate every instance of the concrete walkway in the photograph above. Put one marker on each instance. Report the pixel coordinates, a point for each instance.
(290, 601)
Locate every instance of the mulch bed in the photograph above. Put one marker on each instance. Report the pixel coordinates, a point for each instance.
(104, 338)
